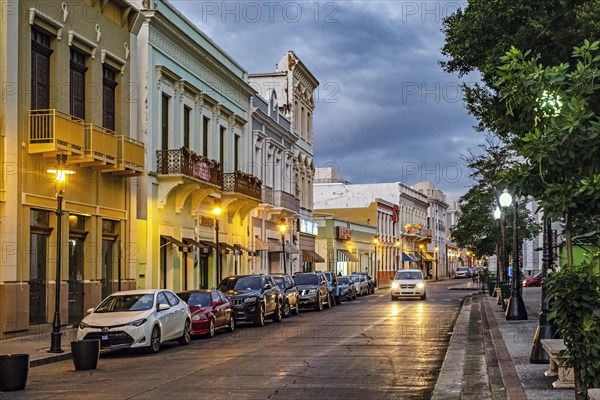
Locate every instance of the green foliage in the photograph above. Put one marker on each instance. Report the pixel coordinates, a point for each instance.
(575, 297)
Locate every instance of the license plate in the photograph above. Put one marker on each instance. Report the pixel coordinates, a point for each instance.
(104, 337)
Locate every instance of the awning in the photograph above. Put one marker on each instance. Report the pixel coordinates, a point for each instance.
(276, 247)
(409, 257)
(260, 245)
(182, 246)
(239, 247)
(427, 256)
(223, 247)
(311, 256)
(347, 256)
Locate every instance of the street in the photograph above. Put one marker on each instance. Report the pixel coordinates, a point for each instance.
(371, 348)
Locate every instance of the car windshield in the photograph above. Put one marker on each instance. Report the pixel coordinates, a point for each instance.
(355, 278)
(408, 275)
(199, 299)
(342, 280)
(240, 283)
(463, 269)
(129, 302)
(306, 279)
(279, 281)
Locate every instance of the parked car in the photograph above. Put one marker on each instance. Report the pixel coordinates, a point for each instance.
(138, 318)
(254, 298)
(347, 288)
(370, 281)
(290, 294)
(535, 280)
(361, 285)
(462, 272)
(312, 290)
(332, 286)
(408, 283)
(211, 311)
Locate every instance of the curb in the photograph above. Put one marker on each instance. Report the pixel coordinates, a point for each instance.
(50, 359)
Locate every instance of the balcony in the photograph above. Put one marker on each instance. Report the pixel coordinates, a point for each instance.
(187, 163)
(101, 146)
(130, 155)
(286, 200)
(267, 195)
(51, 132)
(242, 183)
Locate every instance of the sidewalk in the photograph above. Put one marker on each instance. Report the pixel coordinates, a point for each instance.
(37, 346)
(488, 356)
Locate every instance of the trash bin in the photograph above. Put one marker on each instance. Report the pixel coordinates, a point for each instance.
(505, 293)
(14, 369)
(85, 354)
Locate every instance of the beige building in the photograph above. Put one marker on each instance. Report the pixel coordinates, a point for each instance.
(66, 71)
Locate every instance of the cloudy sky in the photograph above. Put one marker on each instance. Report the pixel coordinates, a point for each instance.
(385, 110)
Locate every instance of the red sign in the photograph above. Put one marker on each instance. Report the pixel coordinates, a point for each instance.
(344, 233)
(202, 171)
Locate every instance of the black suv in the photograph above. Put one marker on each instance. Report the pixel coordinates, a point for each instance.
(253, 297)
(290, 294)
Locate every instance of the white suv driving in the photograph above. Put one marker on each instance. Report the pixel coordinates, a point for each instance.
(408, 283)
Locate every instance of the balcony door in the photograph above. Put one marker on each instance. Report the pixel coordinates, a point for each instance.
(40, 70)
(77, 236)
(38, 266)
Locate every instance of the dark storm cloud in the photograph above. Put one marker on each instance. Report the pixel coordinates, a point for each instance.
(385, 109)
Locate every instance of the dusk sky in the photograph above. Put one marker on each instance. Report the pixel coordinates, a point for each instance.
(385, 110)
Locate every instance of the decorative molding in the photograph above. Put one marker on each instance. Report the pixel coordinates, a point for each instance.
(36, 17)
(98, 33)
(65, 10)
(126, 47)
(82, 43)
(114, 61)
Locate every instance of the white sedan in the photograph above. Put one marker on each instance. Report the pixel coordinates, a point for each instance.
(138, 318)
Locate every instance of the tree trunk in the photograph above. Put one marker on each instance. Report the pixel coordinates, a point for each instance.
(580, 392)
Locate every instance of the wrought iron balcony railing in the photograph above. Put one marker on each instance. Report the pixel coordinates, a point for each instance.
(286, 200)
(240, 182)
(186, 162)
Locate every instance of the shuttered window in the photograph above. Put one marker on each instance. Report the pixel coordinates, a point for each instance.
(109, 85)
(40, 70)
(77, 95)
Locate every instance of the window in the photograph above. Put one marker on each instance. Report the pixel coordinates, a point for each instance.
(109, 85)
(162, 299)
(165, 122)
(236, 153)
(77, 95)
(40, 70)
(173, 300)
(205, 123)
(186, 126)
(222, 148)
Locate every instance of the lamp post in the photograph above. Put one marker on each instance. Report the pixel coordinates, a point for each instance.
(60, 179)
(436, 248)
(217, 210)
(505, 201)
(398, 246)
(499, 263)
(283, 228)
(516, 307)
(421, 254)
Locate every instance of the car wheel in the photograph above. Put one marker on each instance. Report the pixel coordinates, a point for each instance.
(287, 309)
(424, 296)
(319, 303)
(260, 318)
(277, 315)
(231, 327)
(296, 309)
(154, 341)
(186, 337)
(211, 328)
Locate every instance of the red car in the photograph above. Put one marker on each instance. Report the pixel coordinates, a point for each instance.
(211, 310)
(535, 280)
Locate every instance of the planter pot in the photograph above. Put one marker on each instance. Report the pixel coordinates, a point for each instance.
(85, 354)
(14, 369)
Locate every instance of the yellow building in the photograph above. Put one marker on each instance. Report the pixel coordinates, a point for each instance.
(67, 97)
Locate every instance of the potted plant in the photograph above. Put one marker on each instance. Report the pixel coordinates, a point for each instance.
(85, 354)
(14, 369)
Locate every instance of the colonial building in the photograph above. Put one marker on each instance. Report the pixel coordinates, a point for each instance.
(294, 86)
(194, 115)
(454, 256)
(66, 105)
(436, 227)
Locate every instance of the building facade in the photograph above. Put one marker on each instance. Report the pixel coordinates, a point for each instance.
(294, 86)
(194, 114)
(66, 114)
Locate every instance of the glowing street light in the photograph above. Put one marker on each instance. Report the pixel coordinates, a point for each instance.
(283, 229)
(217, 210)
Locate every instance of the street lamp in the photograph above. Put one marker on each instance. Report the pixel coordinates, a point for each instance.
(436, 248)
(283, 228)
(217, 210)
(505, 201)
(398, 246)
(516, 307)
(60, 180)
(421, 253)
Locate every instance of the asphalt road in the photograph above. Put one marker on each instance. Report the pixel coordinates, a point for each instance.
(371, 348)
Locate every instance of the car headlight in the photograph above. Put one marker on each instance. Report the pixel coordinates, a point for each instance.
(83, 325)
(312, 291)
(250, 300)
(420, 285)
(138, 322)
(395, 285)
(199, 317)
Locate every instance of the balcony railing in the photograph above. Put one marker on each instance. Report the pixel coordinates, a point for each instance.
(130, 154)
(286, 200)
(52, 131)
(186, 162)
(240, 182)
(101, 145)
